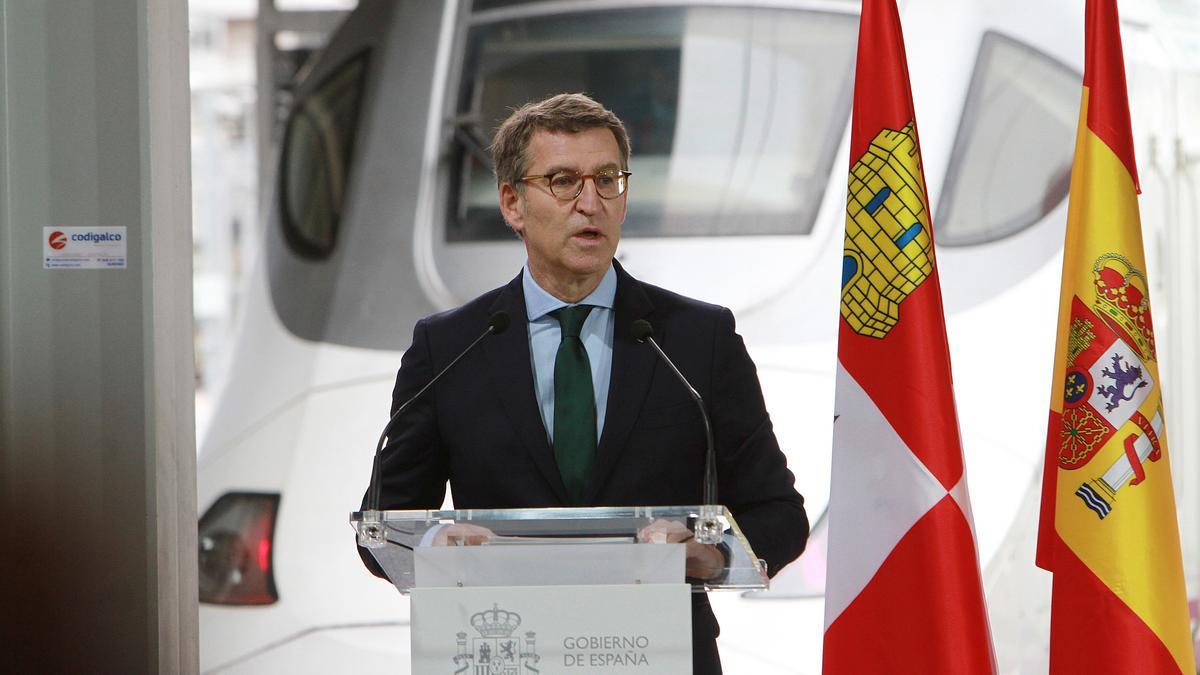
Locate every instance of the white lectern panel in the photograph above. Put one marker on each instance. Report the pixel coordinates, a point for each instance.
(553, 629)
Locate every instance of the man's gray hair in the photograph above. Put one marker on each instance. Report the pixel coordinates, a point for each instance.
(570, 113)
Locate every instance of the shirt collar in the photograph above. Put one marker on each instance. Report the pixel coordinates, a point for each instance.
(539, 303)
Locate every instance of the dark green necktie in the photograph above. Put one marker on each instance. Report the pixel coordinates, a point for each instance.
(574, 403)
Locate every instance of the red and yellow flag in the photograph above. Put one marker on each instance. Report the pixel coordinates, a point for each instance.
(1108, 530)
(903, 591)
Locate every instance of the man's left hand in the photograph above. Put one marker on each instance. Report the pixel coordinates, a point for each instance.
(703, 561)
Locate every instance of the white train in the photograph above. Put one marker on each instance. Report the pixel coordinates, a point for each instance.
(385, 211)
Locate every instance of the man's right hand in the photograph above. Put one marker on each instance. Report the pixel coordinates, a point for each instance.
(462, 534)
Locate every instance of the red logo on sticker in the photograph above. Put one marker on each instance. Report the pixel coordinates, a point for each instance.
(58, 240)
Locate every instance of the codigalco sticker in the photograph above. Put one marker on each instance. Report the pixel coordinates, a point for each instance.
(84, 248)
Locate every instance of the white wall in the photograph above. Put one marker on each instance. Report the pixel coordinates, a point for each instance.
(97, 458)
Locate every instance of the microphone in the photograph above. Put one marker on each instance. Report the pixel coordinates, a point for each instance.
(370, 528)
(708, 528)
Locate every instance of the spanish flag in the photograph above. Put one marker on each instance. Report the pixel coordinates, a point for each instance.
(903, 591)
(1108, 531)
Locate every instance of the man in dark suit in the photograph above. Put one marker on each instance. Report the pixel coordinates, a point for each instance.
(566, 408)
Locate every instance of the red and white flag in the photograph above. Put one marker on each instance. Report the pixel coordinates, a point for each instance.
(903, 592)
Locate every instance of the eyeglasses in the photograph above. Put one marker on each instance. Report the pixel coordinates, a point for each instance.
(569, 184)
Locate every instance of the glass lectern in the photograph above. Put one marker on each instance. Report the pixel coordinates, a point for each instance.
(594, 530)
(590, 590)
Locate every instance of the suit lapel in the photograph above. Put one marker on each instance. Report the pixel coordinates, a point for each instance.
(632, 367)
(512, 370)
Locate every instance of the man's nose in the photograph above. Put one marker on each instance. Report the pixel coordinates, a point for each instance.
(589, 201)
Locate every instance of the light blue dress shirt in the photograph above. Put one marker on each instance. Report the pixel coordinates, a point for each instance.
(545, 334)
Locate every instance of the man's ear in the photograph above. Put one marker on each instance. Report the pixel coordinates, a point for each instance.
(512, 207)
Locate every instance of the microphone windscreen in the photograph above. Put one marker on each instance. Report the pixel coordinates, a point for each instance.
(642, 330)
(498, 322)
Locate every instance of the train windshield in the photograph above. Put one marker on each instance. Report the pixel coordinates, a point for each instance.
(1011, 163)
(734, 114)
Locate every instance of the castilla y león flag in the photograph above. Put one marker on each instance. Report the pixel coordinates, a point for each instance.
(903, 591)
(1108, 530)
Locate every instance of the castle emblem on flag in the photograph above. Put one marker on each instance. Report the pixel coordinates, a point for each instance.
(888, 249)
(496, 651)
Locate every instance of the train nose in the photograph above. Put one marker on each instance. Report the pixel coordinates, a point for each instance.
(282, 598)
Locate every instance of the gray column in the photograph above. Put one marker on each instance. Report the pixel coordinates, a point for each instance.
(97, 449)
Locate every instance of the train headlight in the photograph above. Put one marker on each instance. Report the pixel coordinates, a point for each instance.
(236, 536)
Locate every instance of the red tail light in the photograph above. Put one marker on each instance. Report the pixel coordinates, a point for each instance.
(264, 555)
(235, 550)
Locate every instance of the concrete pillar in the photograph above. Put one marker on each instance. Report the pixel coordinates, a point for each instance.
(97, 440)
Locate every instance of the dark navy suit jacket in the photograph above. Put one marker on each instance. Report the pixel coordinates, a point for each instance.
(479, 428)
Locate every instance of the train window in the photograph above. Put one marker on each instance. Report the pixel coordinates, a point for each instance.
(316, 159)
(734, 114)
(1011, 163)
